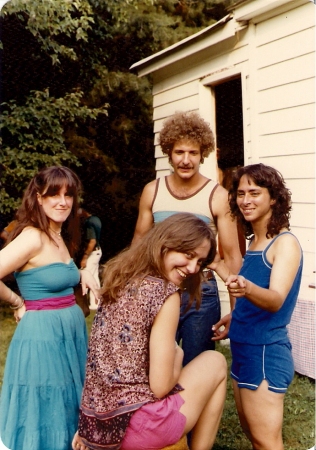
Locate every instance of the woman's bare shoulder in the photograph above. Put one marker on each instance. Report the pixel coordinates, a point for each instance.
(32, 232)
(287, 243)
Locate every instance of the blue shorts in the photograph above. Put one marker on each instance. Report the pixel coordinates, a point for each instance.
(253, 363)
(155, 425)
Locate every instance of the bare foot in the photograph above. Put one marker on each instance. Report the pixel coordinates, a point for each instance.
(77, 443)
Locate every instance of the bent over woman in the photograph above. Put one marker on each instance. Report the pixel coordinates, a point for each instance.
(136, 393)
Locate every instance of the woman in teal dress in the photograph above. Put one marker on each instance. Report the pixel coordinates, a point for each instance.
(45, 365)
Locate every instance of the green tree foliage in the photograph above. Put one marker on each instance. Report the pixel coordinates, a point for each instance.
(68, 96)
(48, 20)
(37, 128)
(35, 135)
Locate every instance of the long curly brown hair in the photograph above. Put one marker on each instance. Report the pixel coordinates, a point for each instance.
(182, 232)
(48, 182)
(186, 126)
(271, 179)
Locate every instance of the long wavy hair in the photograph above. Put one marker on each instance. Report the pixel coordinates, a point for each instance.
(186, 126)
(182, 232)
(49, 182)
(271, 179)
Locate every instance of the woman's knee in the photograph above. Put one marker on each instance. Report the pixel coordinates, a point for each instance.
(265, 442)
(208, 370)
(215, 364)
(218, 359)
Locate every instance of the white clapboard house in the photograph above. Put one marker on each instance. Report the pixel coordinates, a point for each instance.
(251, 75)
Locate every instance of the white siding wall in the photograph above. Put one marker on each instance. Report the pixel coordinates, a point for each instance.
(276, 61)
(286, 115)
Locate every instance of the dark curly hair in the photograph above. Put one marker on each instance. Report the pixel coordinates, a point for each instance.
(189, 126)
(271, 179)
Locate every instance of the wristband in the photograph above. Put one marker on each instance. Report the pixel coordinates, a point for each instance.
(18, 306)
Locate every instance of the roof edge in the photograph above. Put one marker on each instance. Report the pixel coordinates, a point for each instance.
(194, 37)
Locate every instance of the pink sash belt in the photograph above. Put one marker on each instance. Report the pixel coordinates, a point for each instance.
(51, 303)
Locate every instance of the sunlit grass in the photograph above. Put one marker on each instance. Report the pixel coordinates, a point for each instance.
(299, 407)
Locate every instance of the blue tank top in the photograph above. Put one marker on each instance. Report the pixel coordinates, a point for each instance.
(53, 280)
(253, 325)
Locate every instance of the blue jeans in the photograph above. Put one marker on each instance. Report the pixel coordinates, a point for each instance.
(195, 326)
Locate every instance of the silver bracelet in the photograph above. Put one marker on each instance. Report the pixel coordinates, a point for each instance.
(18, 306)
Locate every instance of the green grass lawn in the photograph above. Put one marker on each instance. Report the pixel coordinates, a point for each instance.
(299, 408)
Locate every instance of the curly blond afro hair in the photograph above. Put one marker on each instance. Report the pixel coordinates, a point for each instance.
(188, 126)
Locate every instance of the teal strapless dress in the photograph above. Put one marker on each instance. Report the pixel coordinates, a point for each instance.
(45, 365)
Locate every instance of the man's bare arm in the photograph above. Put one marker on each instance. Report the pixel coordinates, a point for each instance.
(227, 233)
(227, 230)
(145, 218)
(88, 250)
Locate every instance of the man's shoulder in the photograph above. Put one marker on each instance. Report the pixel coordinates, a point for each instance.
(152, 184)
(150, 188)
(220, 202)
(221, 192)
(95, 220)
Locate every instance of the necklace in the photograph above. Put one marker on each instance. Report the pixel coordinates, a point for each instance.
(57, 232)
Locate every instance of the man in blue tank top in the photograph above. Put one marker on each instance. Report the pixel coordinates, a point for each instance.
(187, 139)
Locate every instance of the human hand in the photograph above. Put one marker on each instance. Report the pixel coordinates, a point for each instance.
(236, 285)
(179, 351)
(19, 313)
(178, 360)
(77, 443)
(221, 333)
(88, 282)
